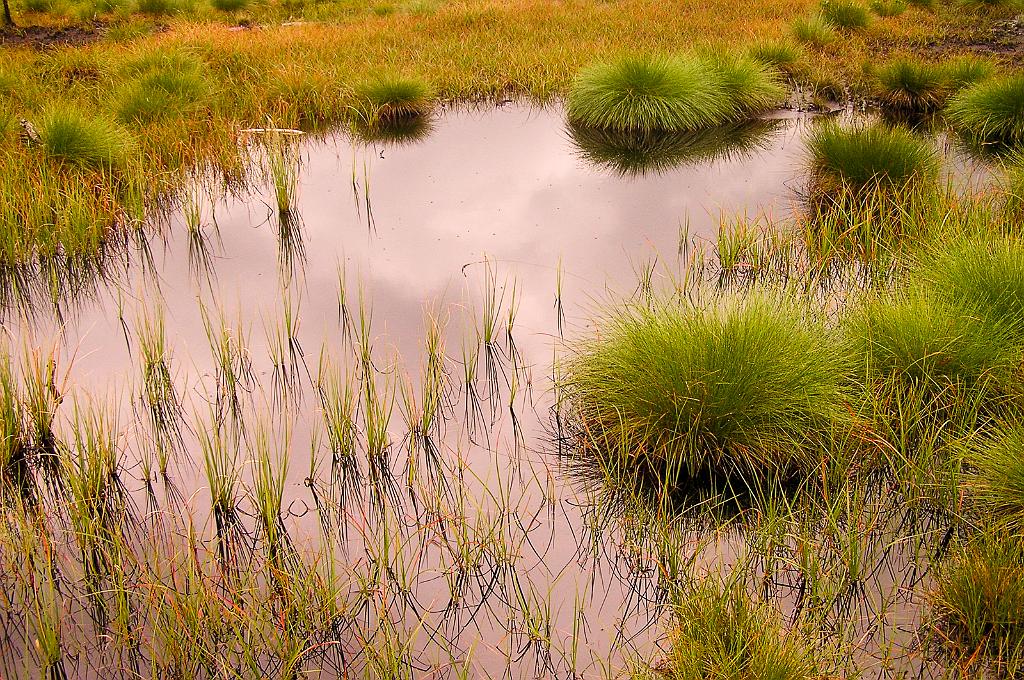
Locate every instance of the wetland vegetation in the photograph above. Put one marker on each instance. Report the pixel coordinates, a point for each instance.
(708, 365)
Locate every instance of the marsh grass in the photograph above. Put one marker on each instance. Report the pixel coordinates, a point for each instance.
(648, 94)
(664, 387)
(75, 138)
(990, 112)
(847, 15)
(720, 632)
(159, 395)
(924, 341)
(814, 30)
(978, 605)
(785, 55)
(889, 8)
(167, 91)
(388, 101)
(910, 85)
(868, 157)
(751, 87)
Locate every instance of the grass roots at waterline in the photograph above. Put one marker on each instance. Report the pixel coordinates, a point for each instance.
(393, 100)
(690, 392)
(672, 94)
(869, 156)
(914, 86)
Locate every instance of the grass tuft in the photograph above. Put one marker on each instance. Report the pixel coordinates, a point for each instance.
(691, 391)
(978, 605)
(71, 136)
(991, 111)
(659, 94)
(888, 8)
(784, 55)
(172, 90)
(997, 484)
(648, 94)
(814, 31)
(394, 99)
(910, 85)
(750, 87)
(845, 15)
(721, 633)
(919, 340)
(868, 156)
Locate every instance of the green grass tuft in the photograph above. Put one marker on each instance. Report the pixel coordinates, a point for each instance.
(919, 340)
(910, 85)
(984, 276)
(845, 15)
(868, 156)
(394, 99)
(648, 94)
(997, 484)
(784, 55)
(751, 87)
(721, 633)
(965, 71)
(230, 5)
(164, 93)
(978, 606)
(690, 392)
(73, 137)
(659, 94)
(814, 31)
(991, 111)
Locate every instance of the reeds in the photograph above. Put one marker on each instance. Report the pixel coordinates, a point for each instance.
(720, 632)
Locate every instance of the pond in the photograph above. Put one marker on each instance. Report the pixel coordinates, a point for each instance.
(424, 291)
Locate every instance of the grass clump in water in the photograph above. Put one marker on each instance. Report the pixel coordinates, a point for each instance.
(72, 137)
(647, 94)
(978, 605)
(845, 15)
(659, 94)
(991, 112)
(721, 633)
(911, 85)
(997, 484)
(868, 156)
(389, 100)
(690, 392)
(750, 86)
(919, 340)
(986, 276)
